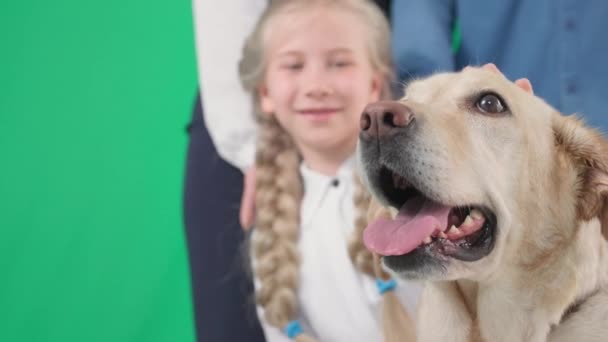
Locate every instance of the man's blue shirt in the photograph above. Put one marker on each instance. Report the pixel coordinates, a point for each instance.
(560, 45)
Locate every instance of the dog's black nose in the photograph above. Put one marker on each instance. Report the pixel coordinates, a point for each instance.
(384, 118)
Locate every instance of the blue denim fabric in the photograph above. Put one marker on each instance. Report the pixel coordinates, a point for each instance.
(560, 45)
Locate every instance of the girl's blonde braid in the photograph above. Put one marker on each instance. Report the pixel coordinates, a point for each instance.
(278, 199)
(361, 257)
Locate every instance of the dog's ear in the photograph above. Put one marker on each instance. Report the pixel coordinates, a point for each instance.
(589, 152)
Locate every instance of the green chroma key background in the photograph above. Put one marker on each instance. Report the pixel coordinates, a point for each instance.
(94, 100)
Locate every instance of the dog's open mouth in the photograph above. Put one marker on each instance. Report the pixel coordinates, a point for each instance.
(463, 232)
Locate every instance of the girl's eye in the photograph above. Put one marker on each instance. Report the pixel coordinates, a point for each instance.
(340, 63)
(292, 66)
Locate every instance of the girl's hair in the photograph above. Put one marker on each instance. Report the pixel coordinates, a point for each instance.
(279, 187)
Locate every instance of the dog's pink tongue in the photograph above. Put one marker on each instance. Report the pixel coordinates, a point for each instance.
(418, 218)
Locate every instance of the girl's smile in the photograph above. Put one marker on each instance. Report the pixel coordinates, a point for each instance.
(319, 114)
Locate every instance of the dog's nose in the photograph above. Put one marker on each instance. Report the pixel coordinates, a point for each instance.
(384, 118)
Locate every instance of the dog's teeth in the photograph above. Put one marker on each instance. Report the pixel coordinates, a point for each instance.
(393, 212)
(454, 230)
(468, 221)
(427, 240)
(442, 235)
(476, 214)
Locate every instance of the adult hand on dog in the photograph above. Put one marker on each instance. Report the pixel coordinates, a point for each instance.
(523, 83)
(247, 212)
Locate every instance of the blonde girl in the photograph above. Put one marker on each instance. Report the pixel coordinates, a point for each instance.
(312, 66)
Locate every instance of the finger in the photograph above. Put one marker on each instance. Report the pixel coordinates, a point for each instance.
(247, 211)
(525, 84)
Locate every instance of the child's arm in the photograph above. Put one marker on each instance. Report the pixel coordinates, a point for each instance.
(221, 28)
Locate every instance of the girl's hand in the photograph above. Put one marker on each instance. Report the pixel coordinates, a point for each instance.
(247, 212)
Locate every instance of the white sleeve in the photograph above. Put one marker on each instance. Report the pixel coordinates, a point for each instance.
(220, 29)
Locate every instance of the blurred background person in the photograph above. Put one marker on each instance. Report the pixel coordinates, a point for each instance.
(559, 46)
(312, 66)
(217, 151)
(224, 305)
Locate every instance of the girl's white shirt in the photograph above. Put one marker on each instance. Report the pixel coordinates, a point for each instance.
(337, 302)
(220, 29)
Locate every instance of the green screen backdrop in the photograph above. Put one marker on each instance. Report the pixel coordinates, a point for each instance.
(94, 100)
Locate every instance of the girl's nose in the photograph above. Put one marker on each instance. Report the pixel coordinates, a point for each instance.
(318, 91)
(316, 83)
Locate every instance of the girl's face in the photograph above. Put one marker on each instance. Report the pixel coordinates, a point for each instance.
(319, 77)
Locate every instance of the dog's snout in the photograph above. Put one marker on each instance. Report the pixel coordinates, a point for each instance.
(384, 118)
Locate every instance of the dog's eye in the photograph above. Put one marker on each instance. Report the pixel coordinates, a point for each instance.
(491, 104)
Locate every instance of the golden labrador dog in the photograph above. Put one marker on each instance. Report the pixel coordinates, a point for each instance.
(499, 204)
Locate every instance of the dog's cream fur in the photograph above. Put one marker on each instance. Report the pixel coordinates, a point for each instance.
(545, 176)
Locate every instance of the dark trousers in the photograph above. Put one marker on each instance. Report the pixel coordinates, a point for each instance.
(222, 291)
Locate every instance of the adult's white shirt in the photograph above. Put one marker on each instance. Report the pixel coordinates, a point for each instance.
(220, 29)
(337, 302)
